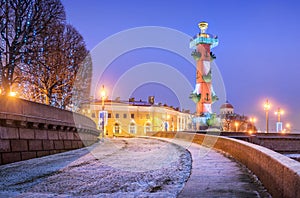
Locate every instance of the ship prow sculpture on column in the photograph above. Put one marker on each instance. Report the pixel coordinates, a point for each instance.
(203, 94)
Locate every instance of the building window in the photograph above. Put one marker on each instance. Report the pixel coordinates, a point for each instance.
(125, 115)
(148, 116)
(147, 127)
(132, 115)
(93, 115)
(132, 128)
(166, 126)
(117, 128)
(109, 115)
(117, 115)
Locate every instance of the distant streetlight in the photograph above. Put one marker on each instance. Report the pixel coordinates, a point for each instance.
(288, 126)
(267, 107)
(103, 94)
(252, 121)
(102, 114)
(236, 124)
(279, 112)
(12, 94)
(168, 117)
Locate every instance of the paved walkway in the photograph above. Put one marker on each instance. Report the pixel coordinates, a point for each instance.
(215, 175)
(107, 171)
(120, 167)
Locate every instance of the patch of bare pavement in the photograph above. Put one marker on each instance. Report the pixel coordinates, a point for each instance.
(134, 167)
(215, 174)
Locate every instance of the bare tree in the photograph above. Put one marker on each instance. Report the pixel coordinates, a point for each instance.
(82, 84)
(55, 61)
(242, 123)
(40, 55)
(236, 122)
(78, 67)
(227, 119)
(21, 22)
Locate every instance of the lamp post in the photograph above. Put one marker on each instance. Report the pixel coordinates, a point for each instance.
(102, 113)
(103, 96)
(267, 107)
(288, 127)
(252, 121)
(12, 94)
(236, 126)
(279, 112)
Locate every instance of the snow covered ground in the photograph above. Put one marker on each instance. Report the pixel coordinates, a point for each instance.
(135, 167)
(295, 156)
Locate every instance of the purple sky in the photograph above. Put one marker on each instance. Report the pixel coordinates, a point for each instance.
(259, 42)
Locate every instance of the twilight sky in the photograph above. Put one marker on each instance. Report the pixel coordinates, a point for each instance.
(258, 47)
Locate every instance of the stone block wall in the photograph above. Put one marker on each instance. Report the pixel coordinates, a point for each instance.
(283, 143)
(29, 130)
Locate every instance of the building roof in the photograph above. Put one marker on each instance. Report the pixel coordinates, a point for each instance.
(136, 103)
(226, 105)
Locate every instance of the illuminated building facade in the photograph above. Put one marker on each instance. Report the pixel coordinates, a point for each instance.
(135, 118)
(233, 122)
(226, 108)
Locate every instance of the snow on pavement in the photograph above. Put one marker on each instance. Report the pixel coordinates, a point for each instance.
(134, 167)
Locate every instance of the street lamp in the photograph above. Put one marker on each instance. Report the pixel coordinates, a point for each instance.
(267, 107)
(279, 112)
(103, 94)
(236, 126)
(288, 126)
(252, 121)
(12, 94)
(102, 114)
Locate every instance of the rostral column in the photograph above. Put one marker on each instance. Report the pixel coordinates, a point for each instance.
(204, 95)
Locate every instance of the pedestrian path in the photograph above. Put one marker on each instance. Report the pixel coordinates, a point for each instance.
(216, 175)
(119, 167)
(103, 170)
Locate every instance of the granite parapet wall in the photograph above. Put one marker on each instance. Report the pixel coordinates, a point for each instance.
(279, 174)
(29, 130)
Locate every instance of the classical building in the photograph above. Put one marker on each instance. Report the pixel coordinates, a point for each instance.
(231, 121)
(226, 108)
(135, 118)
